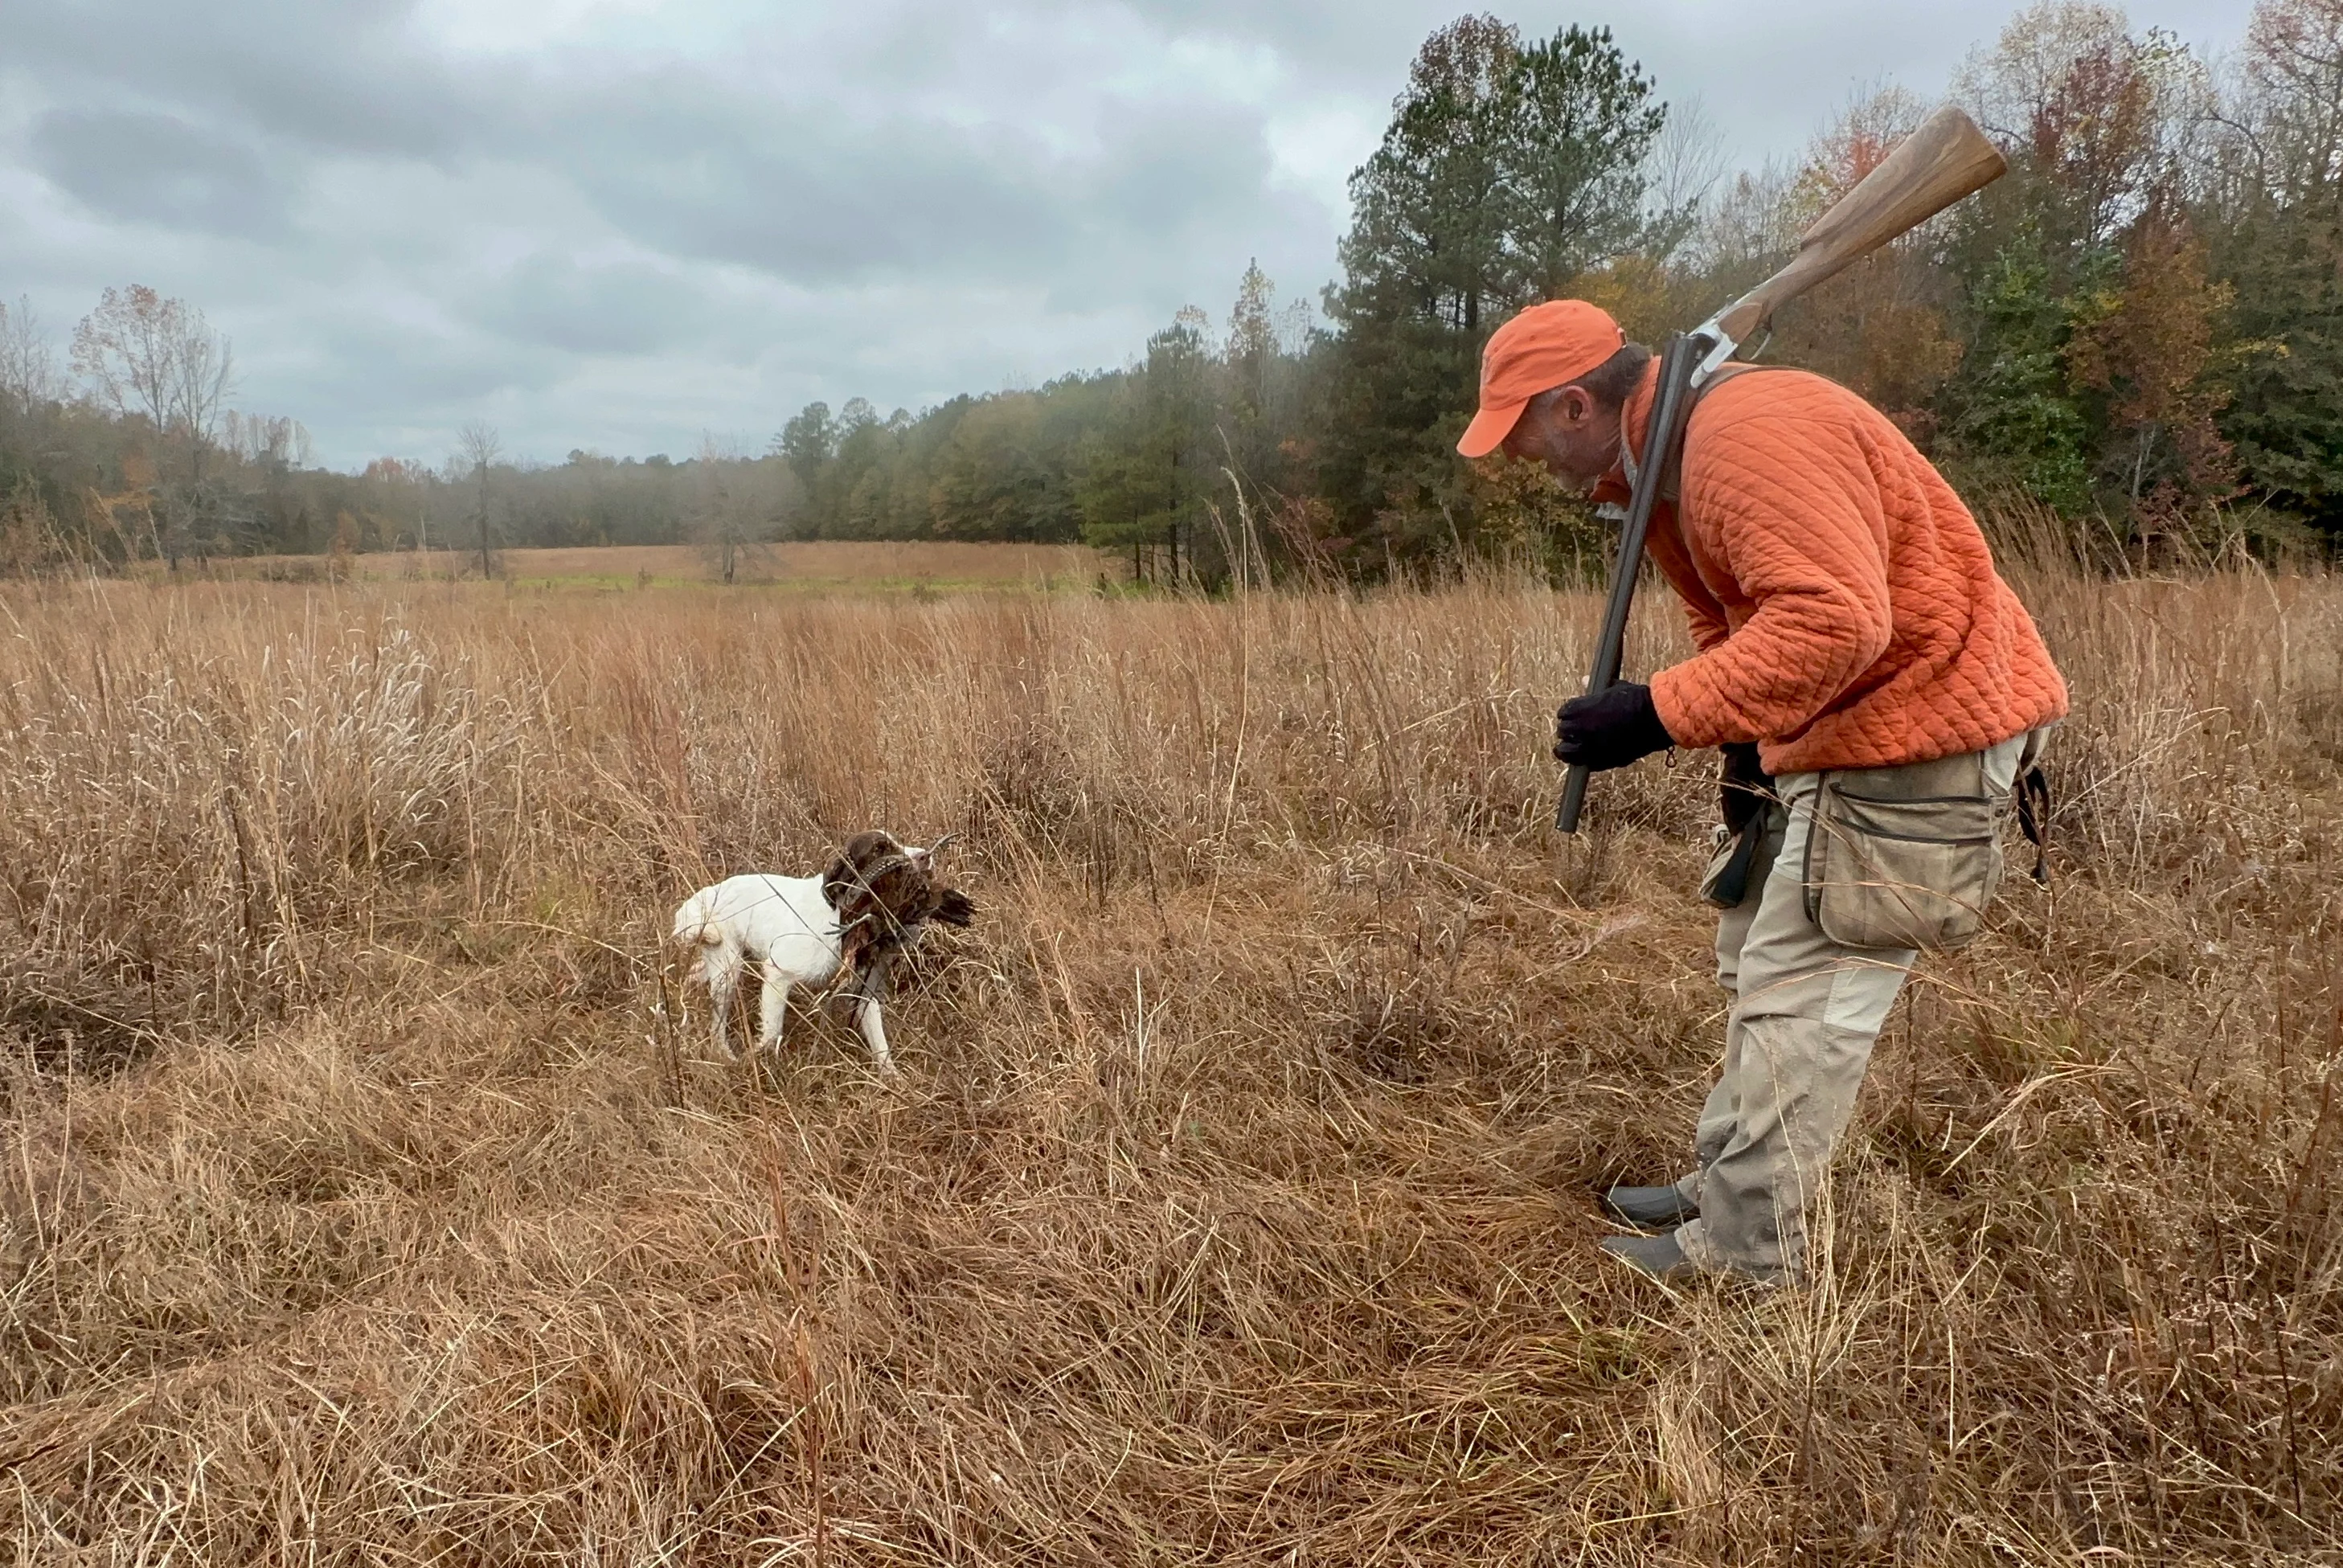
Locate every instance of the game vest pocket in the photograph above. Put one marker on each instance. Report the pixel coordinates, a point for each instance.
(1904, 856)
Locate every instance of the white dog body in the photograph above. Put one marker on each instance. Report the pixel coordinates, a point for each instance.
(784, 924)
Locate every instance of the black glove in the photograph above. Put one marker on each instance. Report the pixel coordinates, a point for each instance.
(1610, 728)
(1744, 787)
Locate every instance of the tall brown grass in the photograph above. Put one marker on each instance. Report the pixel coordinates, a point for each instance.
(853, 565)
(363, 1201)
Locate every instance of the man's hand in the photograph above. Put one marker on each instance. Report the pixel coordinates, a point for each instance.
(1744, 787)
(1609, 730)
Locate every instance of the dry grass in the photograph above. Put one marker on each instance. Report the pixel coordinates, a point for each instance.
(819, 564)
(357, 1204)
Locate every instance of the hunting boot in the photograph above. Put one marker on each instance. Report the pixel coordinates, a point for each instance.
(1653, 1208)
(1657, 1257)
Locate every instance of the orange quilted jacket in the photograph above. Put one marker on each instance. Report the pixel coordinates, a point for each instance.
(1844, 604)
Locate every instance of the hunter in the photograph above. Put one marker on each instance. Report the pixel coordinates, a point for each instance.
(1877, 691)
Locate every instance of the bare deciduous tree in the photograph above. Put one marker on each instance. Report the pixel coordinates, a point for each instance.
(28, 370)
(2290, 101)
(266, 441)
(159, 360)
(1682, 170)
(734, 501)
(477, 448)
(144, 354)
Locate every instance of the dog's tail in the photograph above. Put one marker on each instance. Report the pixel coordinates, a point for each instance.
(954, 907)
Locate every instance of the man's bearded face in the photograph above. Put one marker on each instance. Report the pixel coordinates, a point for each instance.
(1567, 433)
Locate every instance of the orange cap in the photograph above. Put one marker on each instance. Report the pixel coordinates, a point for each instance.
(1547, 346)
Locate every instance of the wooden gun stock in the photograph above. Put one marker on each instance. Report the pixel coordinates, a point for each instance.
(1945, 159)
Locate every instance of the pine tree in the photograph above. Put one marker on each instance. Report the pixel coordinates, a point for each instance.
(1144, 483)
(1505, 173)
(1579, 120)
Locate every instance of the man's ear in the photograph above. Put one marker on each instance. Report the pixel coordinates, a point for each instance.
(1574, 407)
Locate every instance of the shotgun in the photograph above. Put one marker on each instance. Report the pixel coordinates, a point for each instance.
(1945, 159)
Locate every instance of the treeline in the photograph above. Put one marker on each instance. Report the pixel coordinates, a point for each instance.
(126, 451)
(1172, 458)
(2137, 336)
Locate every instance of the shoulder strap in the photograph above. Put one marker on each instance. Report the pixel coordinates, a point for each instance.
(1674, 470)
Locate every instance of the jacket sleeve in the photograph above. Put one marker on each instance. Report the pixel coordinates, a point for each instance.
(1789, 508)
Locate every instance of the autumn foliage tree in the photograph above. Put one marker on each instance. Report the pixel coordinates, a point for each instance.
(2149, 356)
(159, 359)
(2091, 323)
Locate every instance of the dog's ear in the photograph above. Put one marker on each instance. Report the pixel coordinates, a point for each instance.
(842, 877)
(870, 846)
(854, 860)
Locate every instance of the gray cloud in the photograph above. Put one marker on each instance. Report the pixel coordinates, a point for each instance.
(159, 169)
(340, 77)
(415, 373)
(812, 203)
(623, 308)
(823, 197)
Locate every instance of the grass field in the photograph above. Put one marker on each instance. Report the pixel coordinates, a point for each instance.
(821, 564)
(364, 1201)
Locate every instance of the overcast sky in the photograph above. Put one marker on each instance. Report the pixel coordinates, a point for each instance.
(622, 223)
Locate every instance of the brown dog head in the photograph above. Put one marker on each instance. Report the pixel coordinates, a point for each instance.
(883, 892)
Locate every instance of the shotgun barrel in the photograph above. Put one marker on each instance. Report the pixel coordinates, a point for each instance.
(1680, 357)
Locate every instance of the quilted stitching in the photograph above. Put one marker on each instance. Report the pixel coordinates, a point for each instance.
(1845, 603)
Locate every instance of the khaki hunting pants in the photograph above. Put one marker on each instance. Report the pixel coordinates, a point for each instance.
(1806, 1012)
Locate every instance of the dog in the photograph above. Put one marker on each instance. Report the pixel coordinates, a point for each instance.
(872, 903)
